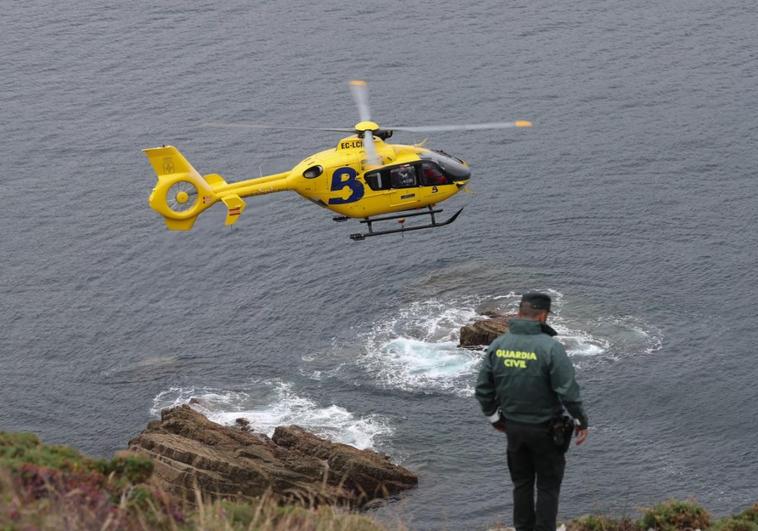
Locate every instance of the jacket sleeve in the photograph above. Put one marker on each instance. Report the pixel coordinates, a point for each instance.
(563, 382)
(485, 387)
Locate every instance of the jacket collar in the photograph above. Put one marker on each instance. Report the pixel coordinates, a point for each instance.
(526, 326)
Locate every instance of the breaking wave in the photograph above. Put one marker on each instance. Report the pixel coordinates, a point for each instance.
(417, 348)
(586, 337)
(273, 404)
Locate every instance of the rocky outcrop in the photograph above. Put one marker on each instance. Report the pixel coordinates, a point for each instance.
(484, 331)
(190, 451)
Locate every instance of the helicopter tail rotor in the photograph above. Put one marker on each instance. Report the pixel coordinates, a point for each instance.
(181, 193)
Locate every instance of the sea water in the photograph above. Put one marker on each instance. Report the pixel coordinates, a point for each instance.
(632, 201)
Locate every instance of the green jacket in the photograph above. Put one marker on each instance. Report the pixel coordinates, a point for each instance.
(527, 375)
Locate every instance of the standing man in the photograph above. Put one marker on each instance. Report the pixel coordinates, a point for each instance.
(525, 381)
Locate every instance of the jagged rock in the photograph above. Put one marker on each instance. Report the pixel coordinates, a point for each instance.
(243, 424)
(371, 474)
(190, 451)
(484, 331)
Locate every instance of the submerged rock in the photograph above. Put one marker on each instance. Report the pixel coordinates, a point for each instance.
(190, 451)
(482, 332)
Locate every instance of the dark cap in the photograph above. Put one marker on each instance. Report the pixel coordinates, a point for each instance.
(538, 301)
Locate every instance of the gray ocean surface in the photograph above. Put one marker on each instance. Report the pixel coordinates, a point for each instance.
(633, 200)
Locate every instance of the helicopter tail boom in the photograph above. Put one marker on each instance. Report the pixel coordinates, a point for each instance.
(181, 193)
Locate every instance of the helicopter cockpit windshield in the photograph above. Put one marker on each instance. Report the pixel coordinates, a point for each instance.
(434, 169)
(453, 167)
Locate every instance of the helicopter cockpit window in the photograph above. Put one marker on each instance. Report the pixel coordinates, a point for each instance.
(403, 176)
(454, 168)
(431, 175)
(378, 180)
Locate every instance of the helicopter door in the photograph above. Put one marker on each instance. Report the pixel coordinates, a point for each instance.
(404, 183)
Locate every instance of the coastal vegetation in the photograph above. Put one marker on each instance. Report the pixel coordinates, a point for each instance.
(50, 487)
(670, 515)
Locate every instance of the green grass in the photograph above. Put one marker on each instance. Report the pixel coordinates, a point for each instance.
(17, 449)
(50, 487)
(23, 449)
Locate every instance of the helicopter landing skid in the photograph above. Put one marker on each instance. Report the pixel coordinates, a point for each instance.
(401, 219)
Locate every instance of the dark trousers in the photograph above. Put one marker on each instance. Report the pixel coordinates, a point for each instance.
(534, 458)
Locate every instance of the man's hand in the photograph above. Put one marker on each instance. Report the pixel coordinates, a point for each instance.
(581, 435)
(499, 424)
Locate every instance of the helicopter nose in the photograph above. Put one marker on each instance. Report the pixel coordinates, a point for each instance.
(460, 174)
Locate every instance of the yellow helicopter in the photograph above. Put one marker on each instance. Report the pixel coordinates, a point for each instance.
(362, 177)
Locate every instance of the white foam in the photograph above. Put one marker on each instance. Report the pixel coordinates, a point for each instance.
(416, 350)
(413, 364)
(598, 337)
(433, 360)
(209, 398)
(509, 296)
(278, 407)
(579, 343)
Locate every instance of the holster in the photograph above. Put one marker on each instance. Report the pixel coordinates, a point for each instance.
(561, 430)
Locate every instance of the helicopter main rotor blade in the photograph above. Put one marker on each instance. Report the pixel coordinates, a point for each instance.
(359, 89)
(370, 148)
(460, 127)
(242, 125)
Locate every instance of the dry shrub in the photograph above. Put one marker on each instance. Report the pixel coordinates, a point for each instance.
(675, 515)
(592, 522)
(747, 520)
(267, 513)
